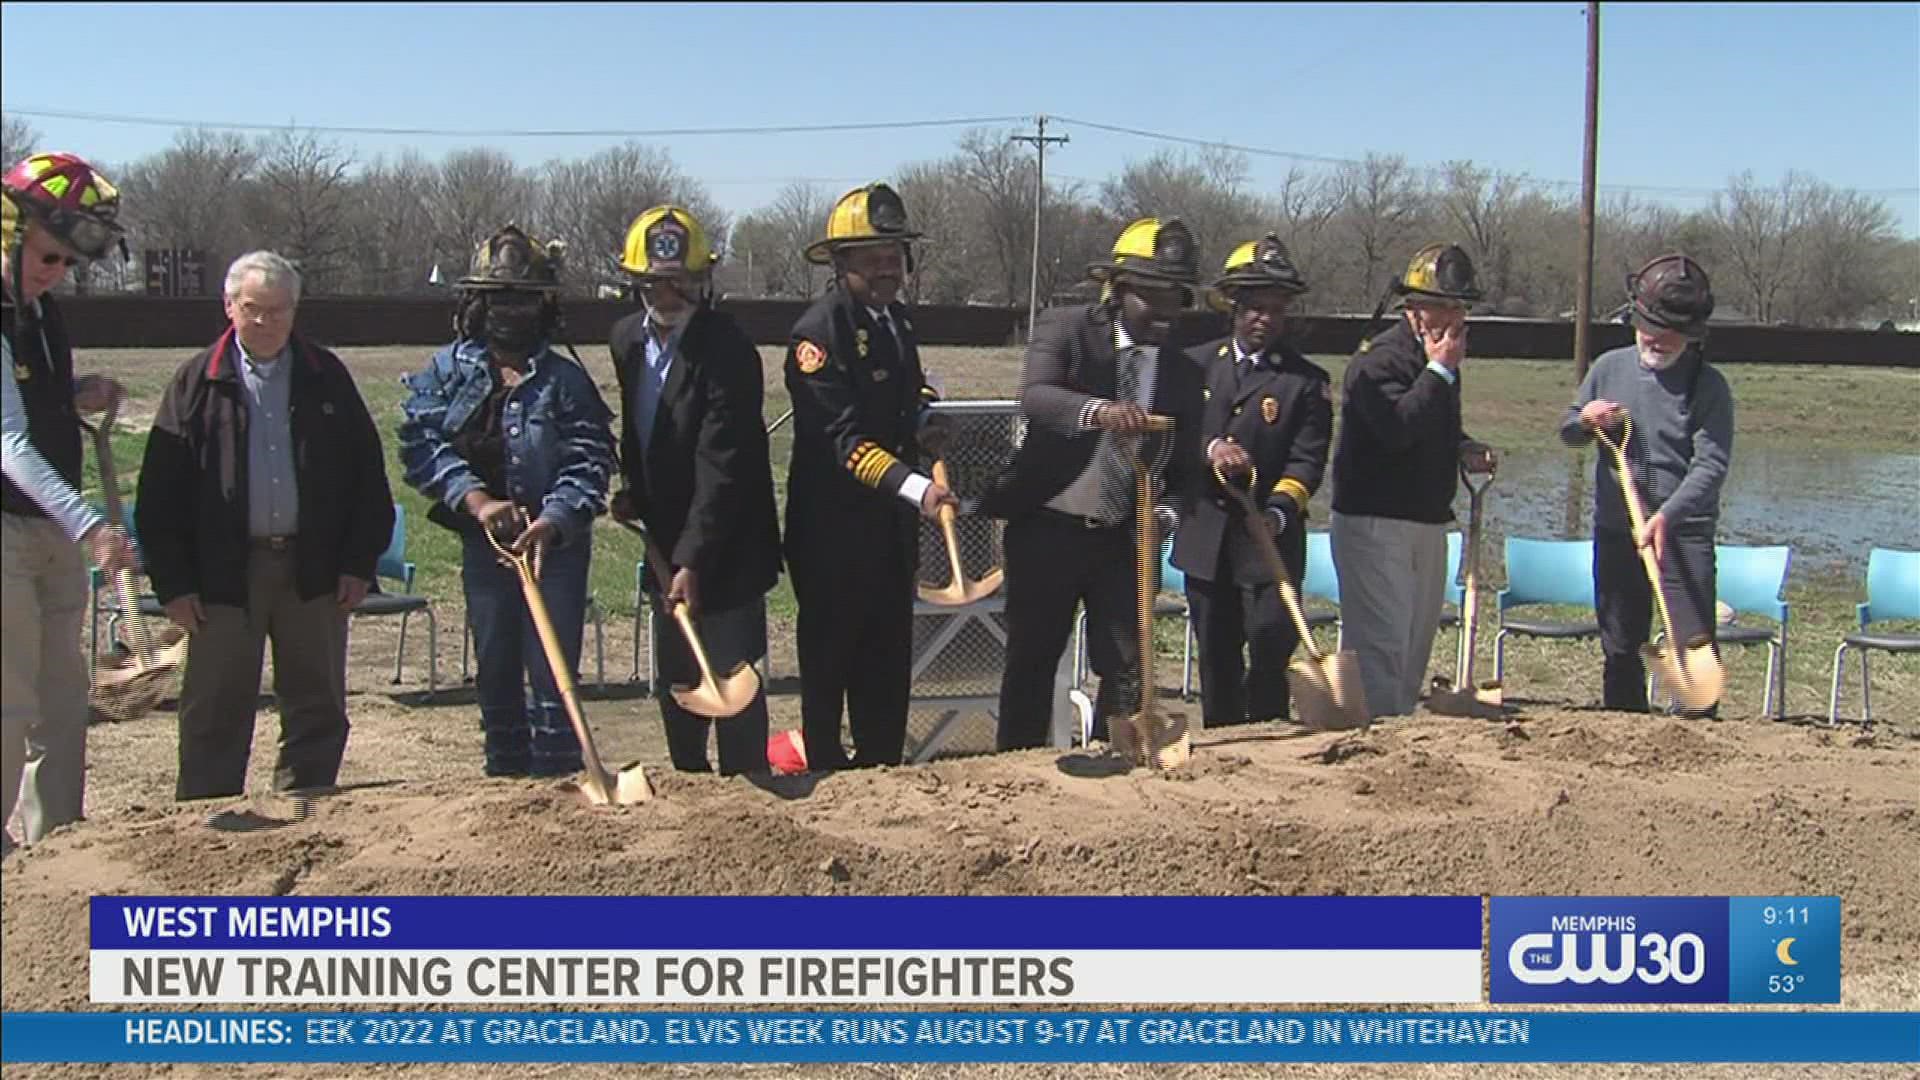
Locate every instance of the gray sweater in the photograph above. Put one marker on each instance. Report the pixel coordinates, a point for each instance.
(1679, 452)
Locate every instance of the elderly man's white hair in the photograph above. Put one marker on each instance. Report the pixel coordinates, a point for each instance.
(274, 270)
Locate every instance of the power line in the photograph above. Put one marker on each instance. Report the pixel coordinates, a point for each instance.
(527, 133)
(1261, 151)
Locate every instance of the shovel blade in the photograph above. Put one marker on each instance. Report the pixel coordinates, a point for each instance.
(960, 592)
(1328, 694)
(1166, 740)
(722, 698)
(629, 787)
(1694, 674)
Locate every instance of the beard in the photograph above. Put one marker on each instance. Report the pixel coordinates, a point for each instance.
(1654, 360)
(670, 320)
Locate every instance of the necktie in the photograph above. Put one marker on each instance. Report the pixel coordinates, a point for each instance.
(1116, 452)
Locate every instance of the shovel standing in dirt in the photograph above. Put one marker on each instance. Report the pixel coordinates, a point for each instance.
(958, 591)
(602, 786)
(1463, 696)
(1327, 694)
(713, 698)
(1153, 736)
(130, 686)
(1693, 671)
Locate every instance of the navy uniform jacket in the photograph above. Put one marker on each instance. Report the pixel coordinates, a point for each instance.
(1281, 414)
(858, 400)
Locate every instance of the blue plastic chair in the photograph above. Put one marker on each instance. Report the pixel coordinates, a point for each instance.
(1322, 582)
(393, 566)
(1544, 572)
(1753, 581)
(1893, 592)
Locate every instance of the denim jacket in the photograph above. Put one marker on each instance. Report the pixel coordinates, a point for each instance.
(559, 441)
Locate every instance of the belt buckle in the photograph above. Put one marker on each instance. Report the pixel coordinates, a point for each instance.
(276, 543)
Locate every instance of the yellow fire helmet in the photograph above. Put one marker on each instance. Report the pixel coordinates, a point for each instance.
(865, 215)
(665, 241)
(1440, 272)
(1261, 264)
(1154, 250)
(511, 259)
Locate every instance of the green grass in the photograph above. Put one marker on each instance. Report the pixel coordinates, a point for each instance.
(1510, 403)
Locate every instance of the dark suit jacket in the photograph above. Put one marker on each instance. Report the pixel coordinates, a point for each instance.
(1070, 361)
(702, 483)
(191, 516)
(1281, 414)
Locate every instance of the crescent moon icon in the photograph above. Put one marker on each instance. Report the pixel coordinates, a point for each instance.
(1785, 953)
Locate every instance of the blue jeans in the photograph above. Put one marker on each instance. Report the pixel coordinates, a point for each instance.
(526, 725)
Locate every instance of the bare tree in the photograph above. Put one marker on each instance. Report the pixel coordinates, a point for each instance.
(192, 195)
(1849, 259)
(391, 228)
(300, 201)
(1479, 205)
(18, 138)
(474, 192)
(939, 206)
(1304, 210)
(1000, 173)
(1380, 212)
(796, 217)
(1207, 191)
(1760, 229)
(591, 202)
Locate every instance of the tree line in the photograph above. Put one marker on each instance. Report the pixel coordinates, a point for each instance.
(1797, 251)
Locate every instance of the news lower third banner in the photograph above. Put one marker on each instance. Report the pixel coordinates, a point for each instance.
(847, 1036)
(880, 950)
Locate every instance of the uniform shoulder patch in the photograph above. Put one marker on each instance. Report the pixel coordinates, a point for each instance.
(809, 357)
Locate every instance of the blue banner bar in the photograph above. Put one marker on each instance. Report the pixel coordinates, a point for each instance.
(845, 1036)
(790, 923)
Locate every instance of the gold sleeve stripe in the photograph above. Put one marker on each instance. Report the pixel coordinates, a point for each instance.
(1292, 489)
(869, 463)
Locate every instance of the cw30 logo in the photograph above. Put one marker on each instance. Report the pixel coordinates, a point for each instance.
(1549, 959)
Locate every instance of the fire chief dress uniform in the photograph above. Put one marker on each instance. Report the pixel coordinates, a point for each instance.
(1278, 407)
(852, 529)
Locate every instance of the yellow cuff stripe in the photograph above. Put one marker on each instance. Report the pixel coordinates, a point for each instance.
(1292, 489)
(869, 463)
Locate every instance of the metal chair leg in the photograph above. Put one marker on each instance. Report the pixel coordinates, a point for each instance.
(433, 654)
(1766, 701)
(1833, 693)
(652, 660)
(1866, 689)
(600, 644)
(1186, 660)
(1500, 656)
(400, 647)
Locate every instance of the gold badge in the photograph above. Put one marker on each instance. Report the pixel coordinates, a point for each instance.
(1206, 393)
(22, 373)
(860, 342)
(809, 357)
(1269, 410)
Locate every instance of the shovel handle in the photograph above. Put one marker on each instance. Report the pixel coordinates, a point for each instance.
(597, 774)
(1263, 543)
(1637, 513)
(947, 515)
(685, 618)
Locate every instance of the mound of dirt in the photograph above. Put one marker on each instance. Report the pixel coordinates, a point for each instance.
(1566, 803)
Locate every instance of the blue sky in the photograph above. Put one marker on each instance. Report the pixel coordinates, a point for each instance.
(1690, 94)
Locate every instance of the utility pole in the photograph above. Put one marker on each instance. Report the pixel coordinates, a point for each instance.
(1039, 139)
(1583, 303)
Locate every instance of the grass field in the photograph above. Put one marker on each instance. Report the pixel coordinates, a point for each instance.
(1511, 404)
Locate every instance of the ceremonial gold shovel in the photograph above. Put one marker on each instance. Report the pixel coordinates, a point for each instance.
(602, 786)
(1694, 672)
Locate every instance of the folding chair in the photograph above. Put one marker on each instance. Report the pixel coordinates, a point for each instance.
(1544, 572)
(1753, 581)
(393, 566)
(1893, 592)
